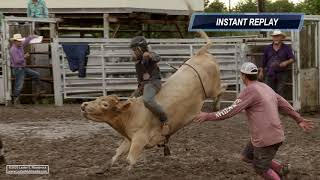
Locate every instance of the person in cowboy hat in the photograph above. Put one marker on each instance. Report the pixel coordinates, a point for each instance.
(18, 65)
(276, 60)
(261, 104)
(149, 78)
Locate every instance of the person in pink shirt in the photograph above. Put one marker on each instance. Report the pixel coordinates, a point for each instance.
(262, 107)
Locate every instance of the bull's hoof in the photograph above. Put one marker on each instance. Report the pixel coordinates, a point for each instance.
(100, 171)
(165, 129)
(129, 169)
(166, 151)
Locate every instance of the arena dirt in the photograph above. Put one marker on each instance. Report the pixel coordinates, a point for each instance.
(75, 148)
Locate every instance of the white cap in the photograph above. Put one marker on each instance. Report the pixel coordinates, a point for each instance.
(249, 68)
(277, 32)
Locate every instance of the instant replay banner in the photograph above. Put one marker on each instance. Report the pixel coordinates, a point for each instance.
(246, 21)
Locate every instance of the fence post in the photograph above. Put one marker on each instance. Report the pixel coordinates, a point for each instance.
(318, 62)
(243, 48)
(191, 50)
(3, 66)
(104, 83)
(296, 74)
(58, 98)
(7, 75)
(106, 25)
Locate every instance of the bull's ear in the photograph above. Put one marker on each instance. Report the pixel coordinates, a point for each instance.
(123, 106)
(114, 97)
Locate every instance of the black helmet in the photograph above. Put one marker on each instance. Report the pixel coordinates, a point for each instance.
(139, 41)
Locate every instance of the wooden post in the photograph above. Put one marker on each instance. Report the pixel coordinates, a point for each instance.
(143, 29)
(261, 8)
(149, 29)
(106, 25)
(53, 32)
(8, 87)
(318, 57)
(58, 98)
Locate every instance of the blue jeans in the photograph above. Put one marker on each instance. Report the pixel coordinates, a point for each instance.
(149, 92)
(20, 73)
(279, 84)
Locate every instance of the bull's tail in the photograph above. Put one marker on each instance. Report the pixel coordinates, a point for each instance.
(203, 34)
(205, 48)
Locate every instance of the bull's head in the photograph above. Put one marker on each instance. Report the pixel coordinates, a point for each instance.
(104, 108)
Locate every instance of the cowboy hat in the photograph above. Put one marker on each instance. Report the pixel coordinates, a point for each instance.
(17, 37)
(277, 32)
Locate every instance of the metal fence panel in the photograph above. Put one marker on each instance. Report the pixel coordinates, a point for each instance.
(111, 71)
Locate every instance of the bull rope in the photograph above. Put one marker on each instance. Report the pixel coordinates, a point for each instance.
(201, 82)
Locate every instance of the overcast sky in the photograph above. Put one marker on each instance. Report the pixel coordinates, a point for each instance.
(235, 2)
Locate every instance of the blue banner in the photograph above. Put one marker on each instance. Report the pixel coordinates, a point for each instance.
(246, 21)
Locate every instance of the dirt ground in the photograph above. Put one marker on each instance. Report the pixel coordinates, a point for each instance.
(74, 148)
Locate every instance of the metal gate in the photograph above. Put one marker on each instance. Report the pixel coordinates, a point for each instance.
(10, 26)
(110, 71)
(307, 71)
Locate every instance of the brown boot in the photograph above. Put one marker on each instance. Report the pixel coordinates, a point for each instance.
(16, 102)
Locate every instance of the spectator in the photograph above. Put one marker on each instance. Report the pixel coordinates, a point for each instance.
(37, 9)
(276, 59)
(17, 58)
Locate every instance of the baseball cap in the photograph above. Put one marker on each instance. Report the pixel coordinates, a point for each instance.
(249, 68)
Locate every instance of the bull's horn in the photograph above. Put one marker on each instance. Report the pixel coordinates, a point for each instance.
(203, 34)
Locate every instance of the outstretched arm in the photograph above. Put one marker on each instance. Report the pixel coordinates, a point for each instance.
(285, 107)
(245, 100)
(27, 40)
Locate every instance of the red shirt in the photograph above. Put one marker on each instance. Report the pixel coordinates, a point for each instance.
(261, 104)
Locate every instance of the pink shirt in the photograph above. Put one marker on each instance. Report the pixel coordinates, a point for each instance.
(261, 104)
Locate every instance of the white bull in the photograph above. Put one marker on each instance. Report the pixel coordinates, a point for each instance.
(181, 96)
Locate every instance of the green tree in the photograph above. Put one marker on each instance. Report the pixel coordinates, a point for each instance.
(246, 6)
(300, 7)
(216, 6)
(312, 6)
(206, 3)
(280, 6)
